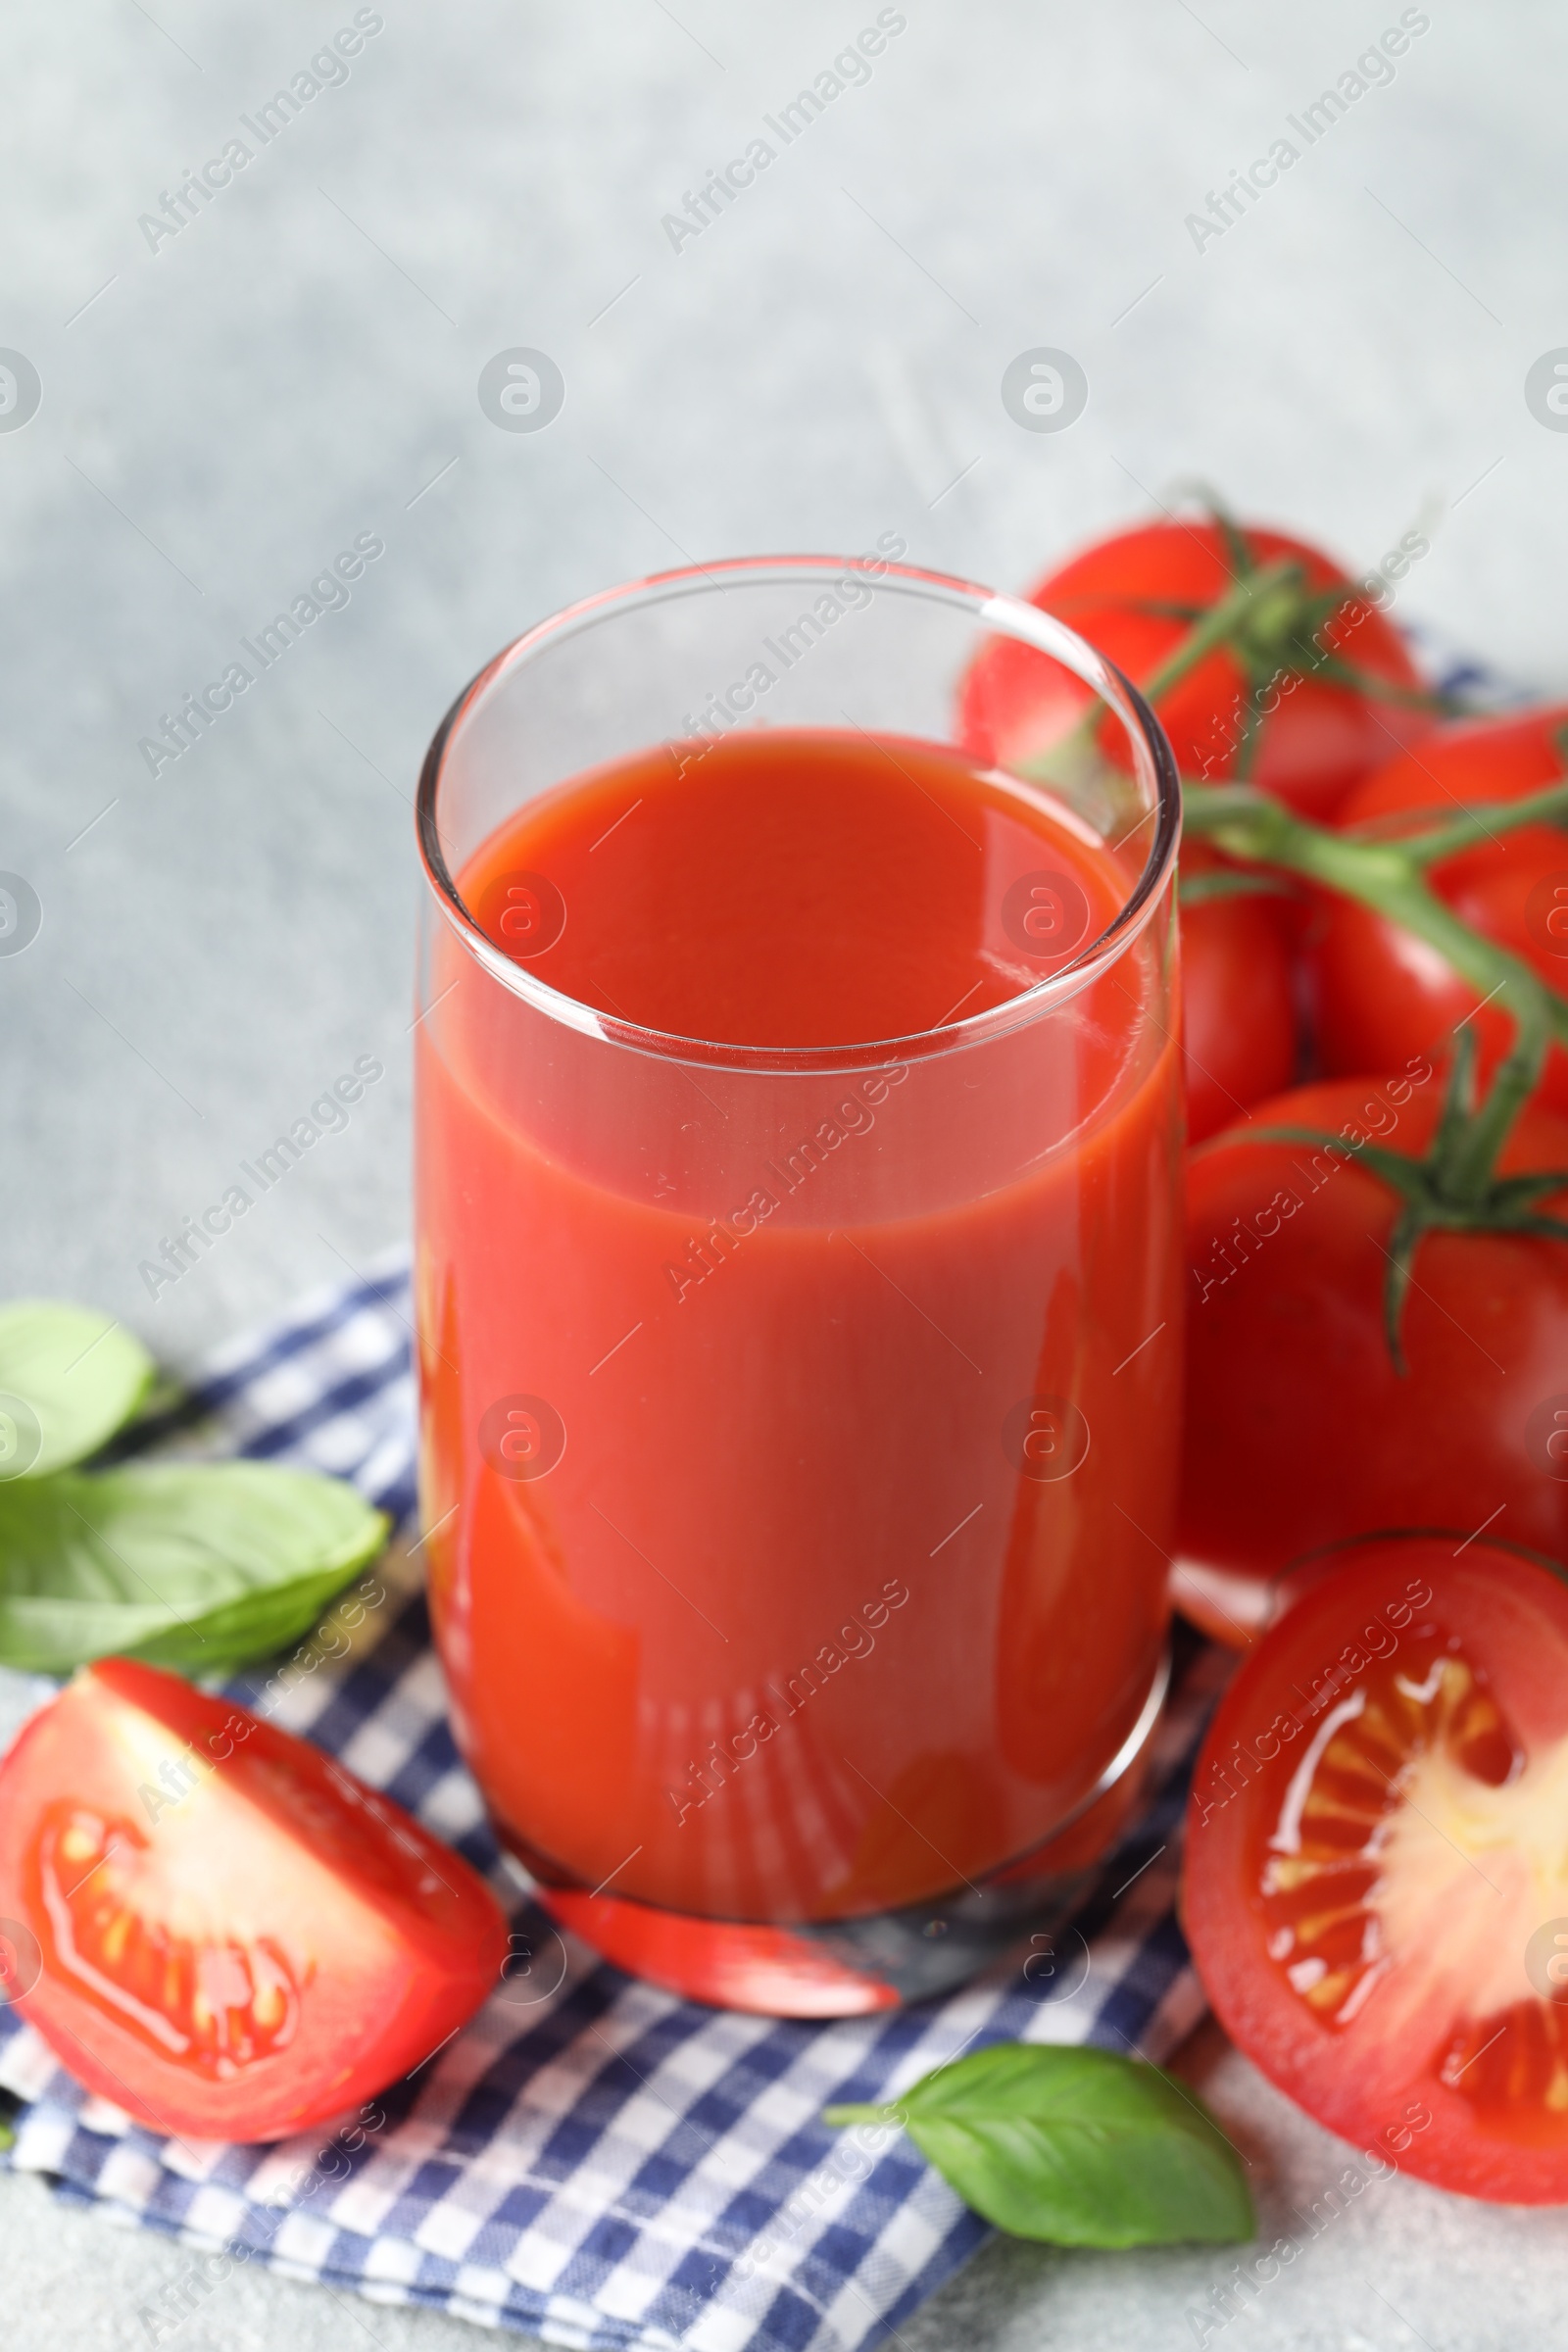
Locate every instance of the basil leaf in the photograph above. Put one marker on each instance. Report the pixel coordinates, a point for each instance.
(68, 1379)
(1078, 2147)
(199, 1567)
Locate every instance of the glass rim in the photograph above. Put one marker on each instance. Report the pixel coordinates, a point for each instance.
(1152, 760)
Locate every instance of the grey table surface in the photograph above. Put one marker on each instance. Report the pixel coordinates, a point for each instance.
(224, 407)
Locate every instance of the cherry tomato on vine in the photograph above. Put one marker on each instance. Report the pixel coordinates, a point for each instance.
(212, 1924)
(1380, 995)
(1311, 689)
(1238, 990)
(1376, 1876)
(1301, 1427)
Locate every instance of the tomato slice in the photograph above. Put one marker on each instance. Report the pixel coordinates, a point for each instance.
(1377, 1861)
(217, 1926)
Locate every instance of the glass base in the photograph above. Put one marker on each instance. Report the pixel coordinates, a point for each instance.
(847, 1967)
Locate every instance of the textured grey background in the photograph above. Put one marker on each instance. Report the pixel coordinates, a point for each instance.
(300, 363)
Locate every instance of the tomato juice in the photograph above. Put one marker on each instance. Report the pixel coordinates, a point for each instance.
(799, 1434)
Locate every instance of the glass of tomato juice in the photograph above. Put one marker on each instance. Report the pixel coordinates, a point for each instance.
(796, 1273)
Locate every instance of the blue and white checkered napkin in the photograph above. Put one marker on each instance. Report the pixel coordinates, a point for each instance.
(590, 2159)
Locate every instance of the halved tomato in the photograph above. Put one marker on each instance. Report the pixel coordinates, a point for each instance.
(1377, 1861)
(212, 1924)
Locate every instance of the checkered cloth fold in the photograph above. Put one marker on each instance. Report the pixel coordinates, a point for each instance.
(591, 2159)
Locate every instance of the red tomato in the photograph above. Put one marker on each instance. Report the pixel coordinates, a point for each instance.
(1382, 994)
(1237, 996)
(1299, 1429)
(1376, 1882)
(1317, 739)
(212, 1925)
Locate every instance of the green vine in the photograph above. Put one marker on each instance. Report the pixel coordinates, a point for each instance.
(1255, 830)
(1270, 622)
(1453, 1188)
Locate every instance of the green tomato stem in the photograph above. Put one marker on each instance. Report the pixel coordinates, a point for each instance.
(1470, 1154)
(1505, 816)
(1256, 830)
(1217, 626)
(1221, 623)
(1270, 623)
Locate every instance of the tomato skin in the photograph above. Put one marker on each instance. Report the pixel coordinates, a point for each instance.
(1379, 993)
(1238, 999)
(1376, 2079)
(260, 1944)
(1299, 1431)
(1316, 742)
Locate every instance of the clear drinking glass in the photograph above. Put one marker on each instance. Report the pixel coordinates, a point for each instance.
(799, 1571)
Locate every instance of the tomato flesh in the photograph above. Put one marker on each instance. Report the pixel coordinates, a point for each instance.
(1378, 1844)
(220, 2001)
(234, 1938)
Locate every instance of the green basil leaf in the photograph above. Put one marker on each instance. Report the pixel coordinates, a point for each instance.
(69, 1377)
(199, 1567)
(1080, 2147)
